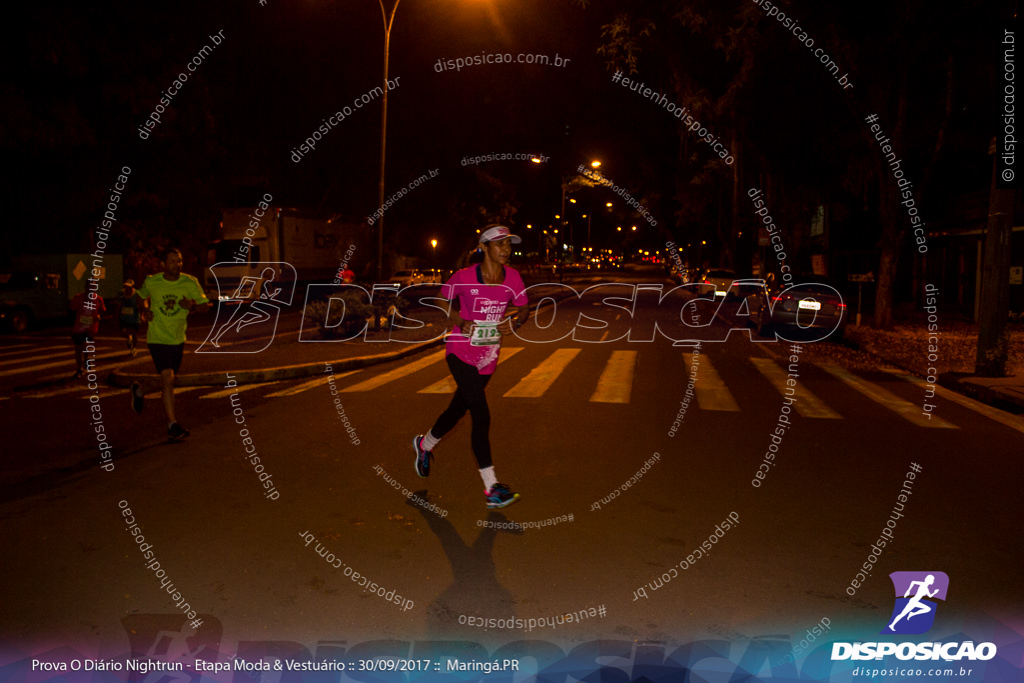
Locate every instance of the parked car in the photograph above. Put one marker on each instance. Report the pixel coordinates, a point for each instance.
(41, 285)
(721, 278)
(434, 275)
(404, 278)
(810, 302)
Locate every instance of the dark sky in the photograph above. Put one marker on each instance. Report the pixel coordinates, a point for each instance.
(80, 79)
(86, 78)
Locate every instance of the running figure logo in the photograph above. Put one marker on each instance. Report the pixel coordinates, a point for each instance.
(914, 614)
(255, 301)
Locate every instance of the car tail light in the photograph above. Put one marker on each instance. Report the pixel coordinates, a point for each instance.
(823, 299)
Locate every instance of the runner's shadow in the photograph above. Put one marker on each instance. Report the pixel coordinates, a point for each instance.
(476, 591)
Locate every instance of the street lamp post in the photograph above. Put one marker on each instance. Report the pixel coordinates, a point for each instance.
(566, 181)
(388, 21)
(562, 215)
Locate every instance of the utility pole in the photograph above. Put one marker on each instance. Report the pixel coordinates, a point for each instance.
(995, 280)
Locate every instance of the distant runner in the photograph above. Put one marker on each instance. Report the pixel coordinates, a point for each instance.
(167, 299)
(128, 314)
(481, 315)
(88, 308)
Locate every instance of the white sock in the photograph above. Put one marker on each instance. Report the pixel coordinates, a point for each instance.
(429, 441)
(490, 479)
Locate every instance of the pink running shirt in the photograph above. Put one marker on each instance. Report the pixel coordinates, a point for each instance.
(481, 303)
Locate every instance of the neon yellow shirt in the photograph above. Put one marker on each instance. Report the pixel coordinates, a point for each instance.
(169, 319)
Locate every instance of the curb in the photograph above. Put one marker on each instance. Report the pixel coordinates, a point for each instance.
(119, 379)
(1008, 398)
(968, 385)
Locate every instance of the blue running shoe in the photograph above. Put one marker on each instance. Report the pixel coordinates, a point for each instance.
(422, 457)
(500, 496)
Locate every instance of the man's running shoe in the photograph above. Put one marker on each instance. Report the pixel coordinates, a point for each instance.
(176, 432)
(136, 392)
(500, 496)
(422, 457)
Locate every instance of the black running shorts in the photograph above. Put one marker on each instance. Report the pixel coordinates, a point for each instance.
(167, 356)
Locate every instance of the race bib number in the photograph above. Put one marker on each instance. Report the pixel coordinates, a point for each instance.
(485, 334)
(85, 320)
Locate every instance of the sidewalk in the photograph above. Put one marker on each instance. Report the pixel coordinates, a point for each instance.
(906, 347)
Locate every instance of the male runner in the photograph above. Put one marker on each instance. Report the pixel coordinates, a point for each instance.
(167, 299)
(481, 315)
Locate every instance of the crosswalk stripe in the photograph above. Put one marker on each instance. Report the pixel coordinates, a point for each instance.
(57, 392)
(712, 394)
(234, 390)
(904, 409)
(396, 373)
(543, 376)
(617, 379)
(306, 386)
(57, 364)
(34, 354)
(103, 390)
(447, 385)
(807, 404)
(177, 390)
(1003, 418)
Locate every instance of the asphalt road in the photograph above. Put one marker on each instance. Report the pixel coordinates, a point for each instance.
(608, 421)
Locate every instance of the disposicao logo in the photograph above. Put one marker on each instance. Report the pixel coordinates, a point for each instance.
(914, 613)
(916, 592)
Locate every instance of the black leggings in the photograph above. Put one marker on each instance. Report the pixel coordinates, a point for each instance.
(468, 396)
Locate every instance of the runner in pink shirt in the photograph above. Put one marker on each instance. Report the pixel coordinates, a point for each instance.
(488, 302)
